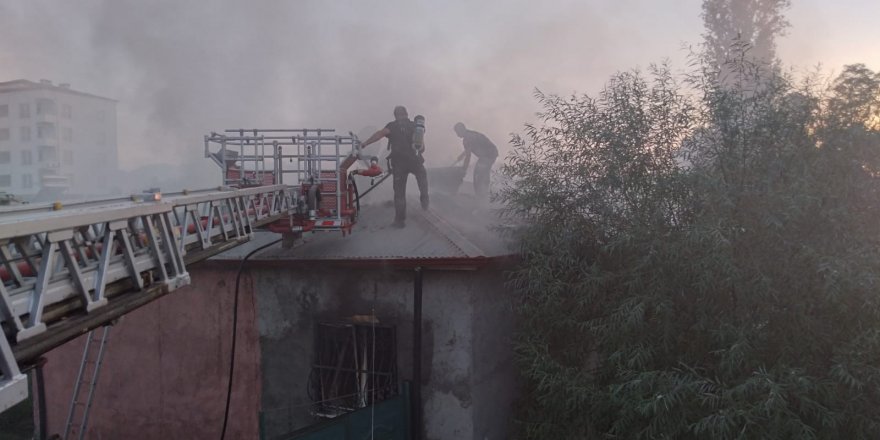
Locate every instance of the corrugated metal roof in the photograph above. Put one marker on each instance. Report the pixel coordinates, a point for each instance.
(447, 231)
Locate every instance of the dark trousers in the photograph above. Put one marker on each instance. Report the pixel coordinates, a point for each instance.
(400, 170)
(482, 171)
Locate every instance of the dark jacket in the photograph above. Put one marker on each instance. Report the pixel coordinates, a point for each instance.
(479, 144)
(400, 141)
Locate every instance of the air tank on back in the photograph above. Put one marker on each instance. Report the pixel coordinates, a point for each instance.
(419, 134)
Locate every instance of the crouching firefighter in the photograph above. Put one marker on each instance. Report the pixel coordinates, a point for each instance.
(406, 143)
(479, 145)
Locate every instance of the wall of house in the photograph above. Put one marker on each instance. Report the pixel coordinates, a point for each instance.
(166, 368)
(494, 379)
(468, 378)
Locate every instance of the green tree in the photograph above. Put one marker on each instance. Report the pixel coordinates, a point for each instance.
(755, 23)
(854, 100)
(699, 265)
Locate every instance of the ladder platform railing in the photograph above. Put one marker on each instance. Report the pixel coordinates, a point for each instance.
(67, 269)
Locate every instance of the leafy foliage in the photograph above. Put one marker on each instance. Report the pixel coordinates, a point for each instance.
(699, 261)
(753, 22)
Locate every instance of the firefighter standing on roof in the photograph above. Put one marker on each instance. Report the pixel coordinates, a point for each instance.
(406, 158)
(486, 152)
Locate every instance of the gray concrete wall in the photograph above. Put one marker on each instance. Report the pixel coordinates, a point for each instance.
(468, 379)
(494, 379)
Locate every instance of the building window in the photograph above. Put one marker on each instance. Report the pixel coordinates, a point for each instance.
(67, 134)
(5, 179)
(5, 156)
(45, 130)
(360, 360)
(27, 157)
(4, 134)
(45, 107)
(25, 134)
(47, 153)
(66, 112)
(24, 111)
(68, 157)
(27, 181)
(4, 110)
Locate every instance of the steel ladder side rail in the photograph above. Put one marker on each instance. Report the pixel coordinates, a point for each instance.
(75, 401)
(94, 382)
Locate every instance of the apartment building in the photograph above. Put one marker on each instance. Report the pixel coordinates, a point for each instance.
(55, 141)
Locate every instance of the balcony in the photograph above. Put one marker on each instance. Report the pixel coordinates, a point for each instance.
(48, 155)
(46, 130)
(55, 181)
(50, 169)
(50, 177)
(46, 110)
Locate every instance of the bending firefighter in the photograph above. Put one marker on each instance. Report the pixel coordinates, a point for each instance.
(486, 152)
(406, 142)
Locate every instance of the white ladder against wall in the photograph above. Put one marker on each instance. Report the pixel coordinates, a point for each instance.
(86, 381)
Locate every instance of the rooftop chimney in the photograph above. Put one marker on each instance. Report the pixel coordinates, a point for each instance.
(46, 82)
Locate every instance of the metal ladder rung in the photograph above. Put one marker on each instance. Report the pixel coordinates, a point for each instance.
(89, 379)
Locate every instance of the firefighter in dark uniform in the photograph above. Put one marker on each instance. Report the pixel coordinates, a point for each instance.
(404, 160)
(486, 152)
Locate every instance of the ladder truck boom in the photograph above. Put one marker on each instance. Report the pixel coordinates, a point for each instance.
(66, 270)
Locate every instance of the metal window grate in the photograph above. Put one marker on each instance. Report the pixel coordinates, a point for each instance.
(346, 375)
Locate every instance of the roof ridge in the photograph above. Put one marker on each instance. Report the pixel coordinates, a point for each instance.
(452, 234)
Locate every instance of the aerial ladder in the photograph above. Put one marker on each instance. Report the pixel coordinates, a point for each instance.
(317, 160)
(67, 269)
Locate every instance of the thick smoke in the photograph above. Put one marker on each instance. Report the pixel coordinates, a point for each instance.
(182, 69)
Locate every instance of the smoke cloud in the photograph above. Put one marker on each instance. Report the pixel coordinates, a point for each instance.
(183, 69)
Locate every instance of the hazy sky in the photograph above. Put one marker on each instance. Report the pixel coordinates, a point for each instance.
(181, 69)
